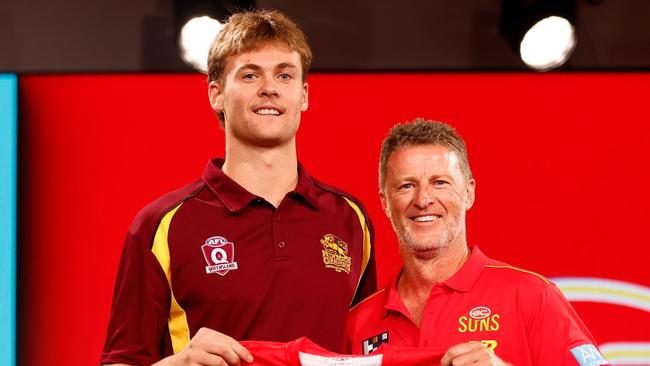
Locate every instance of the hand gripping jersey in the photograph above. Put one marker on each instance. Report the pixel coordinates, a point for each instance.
(518, 314)
(304, 352)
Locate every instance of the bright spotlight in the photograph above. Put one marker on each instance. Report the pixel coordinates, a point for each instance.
(541, 32)
(548, 43)
(195, 40)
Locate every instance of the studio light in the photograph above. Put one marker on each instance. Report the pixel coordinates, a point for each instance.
(541, 32)
(198, 22)
(195, 40)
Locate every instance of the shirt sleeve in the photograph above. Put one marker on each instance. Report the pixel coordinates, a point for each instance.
(137, 330)
(557, 335)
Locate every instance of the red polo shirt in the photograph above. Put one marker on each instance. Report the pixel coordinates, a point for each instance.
(304, 352)
(212, 254)
(520, 315)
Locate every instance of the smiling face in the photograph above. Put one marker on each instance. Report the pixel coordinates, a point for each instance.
(425, 196)
(262, 96)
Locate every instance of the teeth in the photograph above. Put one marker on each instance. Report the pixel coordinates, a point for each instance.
(425, 218)
(268, 111)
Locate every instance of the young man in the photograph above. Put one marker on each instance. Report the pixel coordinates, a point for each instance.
(255, 249)
(449, 295)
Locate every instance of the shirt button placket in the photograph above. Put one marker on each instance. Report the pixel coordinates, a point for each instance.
(279, 244)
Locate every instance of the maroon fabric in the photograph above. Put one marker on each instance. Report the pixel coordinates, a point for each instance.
(280, 290)
(520, 315)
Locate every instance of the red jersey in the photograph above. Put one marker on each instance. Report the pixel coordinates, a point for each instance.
(215, 255)
(518, 314)
(303, 352)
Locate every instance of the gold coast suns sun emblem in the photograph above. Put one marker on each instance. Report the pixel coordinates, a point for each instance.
(335, 253)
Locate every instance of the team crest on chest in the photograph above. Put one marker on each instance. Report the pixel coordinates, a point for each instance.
(219, 254)
(335, 253)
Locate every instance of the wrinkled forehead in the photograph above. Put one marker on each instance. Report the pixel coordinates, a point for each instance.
(419, 159)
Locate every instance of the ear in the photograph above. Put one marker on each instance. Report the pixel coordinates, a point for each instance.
(215, 93)
(305, 97)
(384, 203)
(471, 194)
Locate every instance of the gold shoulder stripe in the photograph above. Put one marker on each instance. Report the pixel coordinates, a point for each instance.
(521, 270)
(179, 329)
(368, 298)
(366, 241)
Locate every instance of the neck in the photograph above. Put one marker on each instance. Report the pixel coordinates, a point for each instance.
(268, 172)
(437, 267)
(422, 273)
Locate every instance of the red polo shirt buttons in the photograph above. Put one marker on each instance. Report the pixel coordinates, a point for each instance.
(281, 244)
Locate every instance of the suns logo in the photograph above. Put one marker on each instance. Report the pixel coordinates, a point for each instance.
(480, 319)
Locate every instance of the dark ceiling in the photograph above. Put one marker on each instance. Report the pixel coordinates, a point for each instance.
(353, 35)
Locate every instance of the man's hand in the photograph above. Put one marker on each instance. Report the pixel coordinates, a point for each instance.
(471, 353)
(209, 348)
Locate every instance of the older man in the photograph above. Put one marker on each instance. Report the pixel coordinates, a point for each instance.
(449, 296)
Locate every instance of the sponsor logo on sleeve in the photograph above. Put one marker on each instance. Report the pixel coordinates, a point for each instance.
(219, 254)
(588, 355)
(371, 344)
(479, 319)
(335, 253)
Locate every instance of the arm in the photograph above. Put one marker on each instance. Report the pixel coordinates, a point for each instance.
(207, 347)
(557, 335)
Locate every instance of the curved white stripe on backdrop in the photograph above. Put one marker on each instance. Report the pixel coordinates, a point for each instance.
(605, 291)
(626, 353)
(612, 292)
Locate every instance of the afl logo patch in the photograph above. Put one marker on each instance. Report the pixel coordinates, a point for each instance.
(219, 254)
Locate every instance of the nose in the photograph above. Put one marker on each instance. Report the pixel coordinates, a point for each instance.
(269, 88)
(424, 197)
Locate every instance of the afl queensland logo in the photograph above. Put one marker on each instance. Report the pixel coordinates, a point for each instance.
(219, 254)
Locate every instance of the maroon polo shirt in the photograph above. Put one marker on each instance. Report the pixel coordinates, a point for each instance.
(212, 254)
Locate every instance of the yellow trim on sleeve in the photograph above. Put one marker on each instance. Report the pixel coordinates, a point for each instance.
(179, 329)
(520, 270)
(367, 247)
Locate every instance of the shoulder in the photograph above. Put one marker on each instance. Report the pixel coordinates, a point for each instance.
(498, 268)
(344, 197)
(148, 218)
(523, 281)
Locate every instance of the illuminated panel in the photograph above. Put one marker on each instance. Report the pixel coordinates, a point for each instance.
(7, 219)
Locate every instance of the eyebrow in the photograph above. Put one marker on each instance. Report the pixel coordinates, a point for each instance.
(280, 66)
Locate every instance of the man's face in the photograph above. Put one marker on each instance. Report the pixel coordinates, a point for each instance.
(425, 197)
(262, 96)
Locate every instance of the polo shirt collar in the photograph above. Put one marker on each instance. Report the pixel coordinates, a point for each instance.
(462, 281)
(236, 197)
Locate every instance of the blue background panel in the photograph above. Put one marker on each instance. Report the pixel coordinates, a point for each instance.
(8, 125)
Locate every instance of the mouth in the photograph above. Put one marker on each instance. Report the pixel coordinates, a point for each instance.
(267, 111)
(426, 218)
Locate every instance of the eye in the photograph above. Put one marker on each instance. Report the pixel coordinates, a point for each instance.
(285, 76)
(406, 186)
(440, 182)
(249, 76)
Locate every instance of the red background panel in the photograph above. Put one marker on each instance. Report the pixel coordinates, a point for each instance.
(560, 161)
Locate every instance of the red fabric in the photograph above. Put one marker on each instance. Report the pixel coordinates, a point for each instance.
(520, 315)
(288, 354)
(280, 290)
